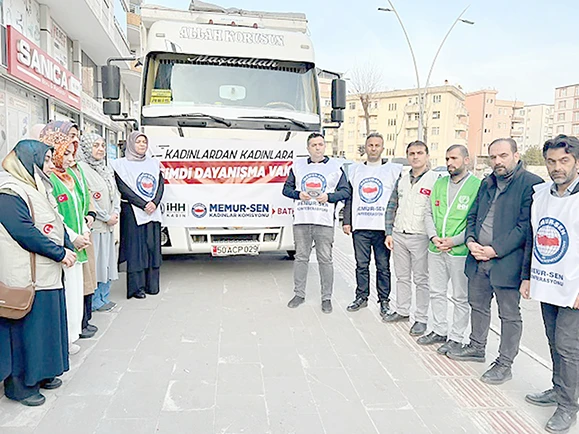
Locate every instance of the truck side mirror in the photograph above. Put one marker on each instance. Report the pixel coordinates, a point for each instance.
(338, 116)
(338, 94)
(112, 108)
(111, 82)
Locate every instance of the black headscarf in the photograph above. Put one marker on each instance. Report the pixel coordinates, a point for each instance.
(31, 153)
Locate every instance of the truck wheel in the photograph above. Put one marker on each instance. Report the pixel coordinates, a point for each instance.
(291, 255)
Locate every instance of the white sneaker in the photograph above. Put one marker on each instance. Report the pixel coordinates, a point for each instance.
(73, 349)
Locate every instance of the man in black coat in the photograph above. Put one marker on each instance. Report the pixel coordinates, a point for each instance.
(495, 235)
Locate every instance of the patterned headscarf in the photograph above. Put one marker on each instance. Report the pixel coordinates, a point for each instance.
(58, 126)
(131, 152)
(60, 142)
(100, 166)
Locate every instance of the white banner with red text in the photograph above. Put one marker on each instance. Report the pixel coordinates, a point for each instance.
(225, 183)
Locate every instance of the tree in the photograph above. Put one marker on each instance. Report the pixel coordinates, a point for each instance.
(365, 81)
(533, 156)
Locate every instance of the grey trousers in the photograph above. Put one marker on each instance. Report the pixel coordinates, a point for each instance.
(323, 237)
(442, 269)
(562, 329)
(480, 295)
(411, 262)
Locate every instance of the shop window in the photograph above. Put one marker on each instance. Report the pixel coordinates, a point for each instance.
(89, 76)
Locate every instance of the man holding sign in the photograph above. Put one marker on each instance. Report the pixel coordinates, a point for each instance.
(550, 276)
(316, 184)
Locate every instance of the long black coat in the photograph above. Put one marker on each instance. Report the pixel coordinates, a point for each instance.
(510, 226)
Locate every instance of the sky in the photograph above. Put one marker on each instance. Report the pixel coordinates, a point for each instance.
(524, 49)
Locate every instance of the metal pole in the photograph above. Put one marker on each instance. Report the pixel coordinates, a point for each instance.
(419, 90)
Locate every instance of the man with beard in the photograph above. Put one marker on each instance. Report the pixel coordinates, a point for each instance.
(496, 233)
(451, 200)
(549, 276)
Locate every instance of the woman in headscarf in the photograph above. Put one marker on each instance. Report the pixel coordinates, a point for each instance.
(34, 349)
(107, 202)
(141, 185)
(67, 128)
(72, 195)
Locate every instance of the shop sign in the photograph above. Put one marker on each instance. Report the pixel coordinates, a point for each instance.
(29, 63)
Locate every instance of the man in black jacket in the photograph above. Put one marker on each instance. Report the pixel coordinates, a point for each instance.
(495, 235)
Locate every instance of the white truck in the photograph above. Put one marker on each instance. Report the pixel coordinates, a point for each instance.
(228, 99)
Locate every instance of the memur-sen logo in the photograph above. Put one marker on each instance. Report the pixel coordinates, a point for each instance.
(425, 191)
(147, 185)
(551, 241)
(199, 210)
(47, 229)
(62, 198)
(314, 184)
(370, 190)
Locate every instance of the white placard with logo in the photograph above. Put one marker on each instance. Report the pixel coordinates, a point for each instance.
(210, 182)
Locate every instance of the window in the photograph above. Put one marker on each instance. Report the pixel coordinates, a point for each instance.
(437, 98)
(487, 130)
(362, 134)
(390, 137)
(392, 106)
(411, 132)
(500, 111)
(560, 129)
(561, 117)
(392, 122)
(351, 119)
(327, 102)
(436, 115)
(410, 100)
(410, 116)
(490, 101)
(458, 135)
(562, 104)
(576, 130)
(522, 112)
(352, 106)
(375, 104)
(577, 91)
(350, 134)
(89, 76)
(500, 125)
(488, 116)
(563, 92)
(435, 131)
(576, 117)
(416, 116)
(434, 146)
(576, 103)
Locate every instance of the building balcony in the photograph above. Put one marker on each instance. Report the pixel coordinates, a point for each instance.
(517, 133)
(134, 29)
(460, 127)
(518, 119)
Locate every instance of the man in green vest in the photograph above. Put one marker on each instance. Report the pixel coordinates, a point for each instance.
(451, 200)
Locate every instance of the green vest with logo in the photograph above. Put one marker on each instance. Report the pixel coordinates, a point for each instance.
(73, 206)
(450, 218)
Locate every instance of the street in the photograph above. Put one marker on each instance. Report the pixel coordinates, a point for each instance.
(218, 351)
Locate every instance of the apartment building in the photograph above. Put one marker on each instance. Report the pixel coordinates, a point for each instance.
(52, 51)
(491, 118)
(395, 115)
(566, 115)
(537, 125)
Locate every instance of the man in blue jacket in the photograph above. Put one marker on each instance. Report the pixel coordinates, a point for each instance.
(496, 233)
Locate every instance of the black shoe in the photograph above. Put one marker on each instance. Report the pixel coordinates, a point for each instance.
(87, 334)
(547, 398)
(497, 374)
(394, 317)
(357, 304)
(51, 384)
(92, 328)
(449, 346)
(561, 421)
(295, 302)
(384, 308)
(140, 295)
(107, 307)
(326, 306)
(431, 338)
(467, 353)
(418, 329)
(34, 400)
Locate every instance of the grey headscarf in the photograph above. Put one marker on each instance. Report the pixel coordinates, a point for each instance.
(100, 166)
(131, 151)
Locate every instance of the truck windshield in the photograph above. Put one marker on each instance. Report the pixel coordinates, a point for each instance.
(185, 80)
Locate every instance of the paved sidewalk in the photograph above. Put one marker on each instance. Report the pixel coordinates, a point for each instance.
(218, 351)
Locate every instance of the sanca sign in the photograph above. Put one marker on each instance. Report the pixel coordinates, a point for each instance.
(32, 65)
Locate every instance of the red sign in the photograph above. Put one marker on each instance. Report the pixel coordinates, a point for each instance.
(96, 196)
(437, 203)
(47, 229)
(32, 65)
(62, 198)
(425, 191)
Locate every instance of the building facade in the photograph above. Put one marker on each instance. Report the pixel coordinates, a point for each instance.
(52, 65)
(395, 115)
(566, 114)
(537, 125)
(491, 118)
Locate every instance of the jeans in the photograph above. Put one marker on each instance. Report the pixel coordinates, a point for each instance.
(364, 242)
(480, 295)
(101, 295)
(562, 329)
(323, 237)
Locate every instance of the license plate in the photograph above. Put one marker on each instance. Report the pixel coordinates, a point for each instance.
(234, 249)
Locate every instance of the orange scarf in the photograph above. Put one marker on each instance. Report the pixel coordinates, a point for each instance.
(60, 142)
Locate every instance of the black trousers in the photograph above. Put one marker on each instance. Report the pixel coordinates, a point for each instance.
(143, 282)
(366, 241)
(480, 295)
(87, 314)
(562, 329)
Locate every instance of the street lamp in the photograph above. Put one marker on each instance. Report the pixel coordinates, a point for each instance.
(422, 97)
